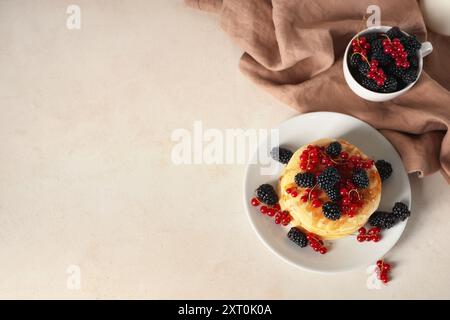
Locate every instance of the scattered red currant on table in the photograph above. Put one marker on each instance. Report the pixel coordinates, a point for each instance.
(383, 271)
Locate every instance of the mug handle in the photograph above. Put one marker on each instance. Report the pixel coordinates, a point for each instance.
(426, 49)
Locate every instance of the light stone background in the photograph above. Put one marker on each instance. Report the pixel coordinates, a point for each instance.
(86, 176)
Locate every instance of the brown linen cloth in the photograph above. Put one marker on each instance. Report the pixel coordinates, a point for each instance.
(294, 49)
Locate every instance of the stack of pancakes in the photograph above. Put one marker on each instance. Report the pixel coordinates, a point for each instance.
(312, 219)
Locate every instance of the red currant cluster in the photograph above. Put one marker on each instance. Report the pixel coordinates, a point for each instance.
(396, 50)
(371, 235)
(312, 156)
(360, 45)
(358, 162)
(280, 217)
(316, 243)
(350, 198)
(376, 74)
(383, 270)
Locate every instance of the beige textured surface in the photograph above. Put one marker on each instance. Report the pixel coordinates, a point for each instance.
(86, 177)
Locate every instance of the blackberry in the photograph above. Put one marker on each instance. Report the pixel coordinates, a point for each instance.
(383, 220)
(360, 178)
(298, 237)
(401, 211)
(333, 193)
(328, 178)
(409, 76)
(411, 45)
(384, 169)
(378, 53)
(414, 61)
(406, 75)
(390, 85)
(395, 32)
(281, 154)
(331, 210)
(363, 68)
(266, 194)
(333, 149)
(304, 180)
(369, 84)
(370, 37)
(354, 60)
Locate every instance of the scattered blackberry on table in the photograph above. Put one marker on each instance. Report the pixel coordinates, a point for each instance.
(383, 220)
(333, 193)
(266, 194)
(298, 237)
(304, 180)
(328, 178)
(281, 154)
(395, 32)
(401, 211)
(333, 149)
(360, 178)
(384, 169)
(390, 85)
(331, 210)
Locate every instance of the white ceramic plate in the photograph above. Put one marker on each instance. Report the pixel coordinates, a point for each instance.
(344, 254)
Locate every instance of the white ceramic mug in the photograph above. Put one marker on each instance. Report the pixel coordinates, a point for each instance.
(436, 14)
(367, 94)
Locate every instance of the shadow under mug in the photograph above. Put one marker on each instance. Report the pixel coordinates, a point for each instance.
(367, 94)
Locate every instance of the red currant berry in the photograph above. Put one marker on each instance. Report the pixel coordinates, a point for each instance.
(294, 194)
(263, 209)
(271, 212)
(386, 267)
(277, 220)
(304, 198)
(323, 250)
(314, 194)
(362, 230)
(379, 263)
(255, 202)
(344, 155)
(316, 203)
(361, 238)
(374, 230)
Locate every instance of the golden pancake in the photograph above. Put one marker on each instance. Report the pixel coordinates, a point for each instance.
(312, 219)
